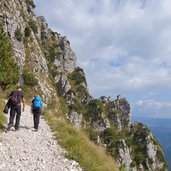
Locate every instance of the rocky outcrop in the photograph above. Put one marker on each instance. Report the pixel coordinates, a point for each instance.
(16, 17)
(69, 57)
(119, 112)
(153, 161)
(75, 118)
(65, 59)
(63, 85)
(49, 57)
(124, 154)
(100, 124)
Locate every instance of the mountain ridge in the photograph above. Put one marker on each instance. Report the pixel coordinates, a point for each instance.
(160, 128)
(46, 58)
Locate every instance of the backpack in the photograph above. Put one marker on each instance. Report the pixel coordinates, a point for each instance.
(37, 103)
(15, 98)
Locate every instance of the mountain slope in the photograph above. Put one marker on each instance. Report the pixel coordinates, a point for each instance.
(47, 66)
(160, 127)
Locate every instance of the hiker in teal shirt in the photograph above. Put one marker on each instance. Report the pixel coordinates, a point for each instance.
(36, 109)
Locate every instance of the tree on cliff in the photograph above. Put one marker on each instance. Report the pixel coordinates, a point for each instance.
(9, 73)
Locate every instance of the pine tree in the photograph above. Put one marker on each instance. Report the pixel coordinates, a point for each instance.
(9, 73)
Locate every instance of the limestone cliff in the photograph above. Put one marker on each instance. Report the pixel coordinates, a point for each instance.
(37, 49)
(48, 57)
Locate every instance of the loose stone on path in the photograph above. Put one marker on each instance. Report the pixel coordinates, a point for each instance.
(27, 150)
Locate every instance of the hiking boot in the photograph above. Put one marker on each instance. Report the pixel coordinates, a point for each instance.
(16, 128)
(9, 127)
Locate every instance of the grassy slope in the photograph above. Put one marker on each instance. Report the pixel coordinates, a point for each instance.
(2, 115)
(79, 147)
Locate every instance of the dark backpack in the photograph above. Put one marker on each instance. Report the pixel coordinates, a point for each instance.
(15, 98)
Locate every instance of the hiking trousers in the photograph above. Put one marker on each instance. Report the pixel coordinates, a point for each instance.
(15, 111)
(36, 117)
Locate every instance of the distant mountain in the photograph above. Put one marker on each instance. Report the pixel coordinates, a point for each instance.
(160, 128)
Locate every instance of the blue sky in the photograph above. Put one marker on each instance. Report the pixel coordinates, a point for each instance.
(124, 47)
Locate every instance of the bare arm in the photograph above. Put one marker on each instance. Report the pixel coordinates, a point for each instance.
(23, 101)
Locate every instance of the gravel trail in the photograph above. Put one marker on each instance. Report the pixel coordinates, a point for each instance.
(27, 150)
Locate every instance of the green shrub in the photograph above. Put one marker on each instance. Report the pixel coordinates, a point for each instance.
(139, 158)
(160, 155)
(29, 78)
(31, 3)
(52, 54)
(44, 35)
(93, 135)
(33, 26)
(53, 71)
(77, 76)
(74, 107)
(122, 167)
(95, 106)
(18, 35)
(9, 73)
(3, 119)
(27, 32)
(133, 164)
(109, 137)
(77, 106)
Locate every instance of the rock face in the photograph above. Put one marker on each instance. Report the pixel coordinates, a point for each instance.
(151, 152)
(17, 16)
(49, 57)
(63, 85)
(119, 112)
(124, 154)
(69, 58)
(100, 124)
(65, 58)
(75, 117)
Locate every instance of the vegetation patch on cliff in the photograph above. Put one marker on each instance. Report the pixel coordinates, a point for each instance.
(3, 119)
(9, 74)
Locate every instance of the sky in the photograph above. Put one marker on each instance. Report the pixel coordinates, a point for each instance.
(124, 47)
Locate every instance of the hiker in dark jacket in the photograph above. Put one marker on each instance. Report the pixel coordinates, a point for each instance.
(15, 100)
(36, 110)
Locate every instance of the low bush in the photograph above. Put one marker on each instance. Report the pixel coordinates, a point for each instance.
(31, 3)
(93, 135)
(77, 76)
(27, 32)
(18, 35)
(95, 107)
(3, 119)
(29, 78)
(109, 137)
(33, 26)
(139, 158)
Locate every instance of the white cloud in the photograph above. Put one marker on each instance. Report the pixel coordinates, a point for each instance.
(154, 104)
(123, 45)
(153, 108)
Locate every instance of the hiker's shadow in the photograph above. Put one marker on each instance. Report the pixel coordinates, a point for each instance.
(24, 127)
